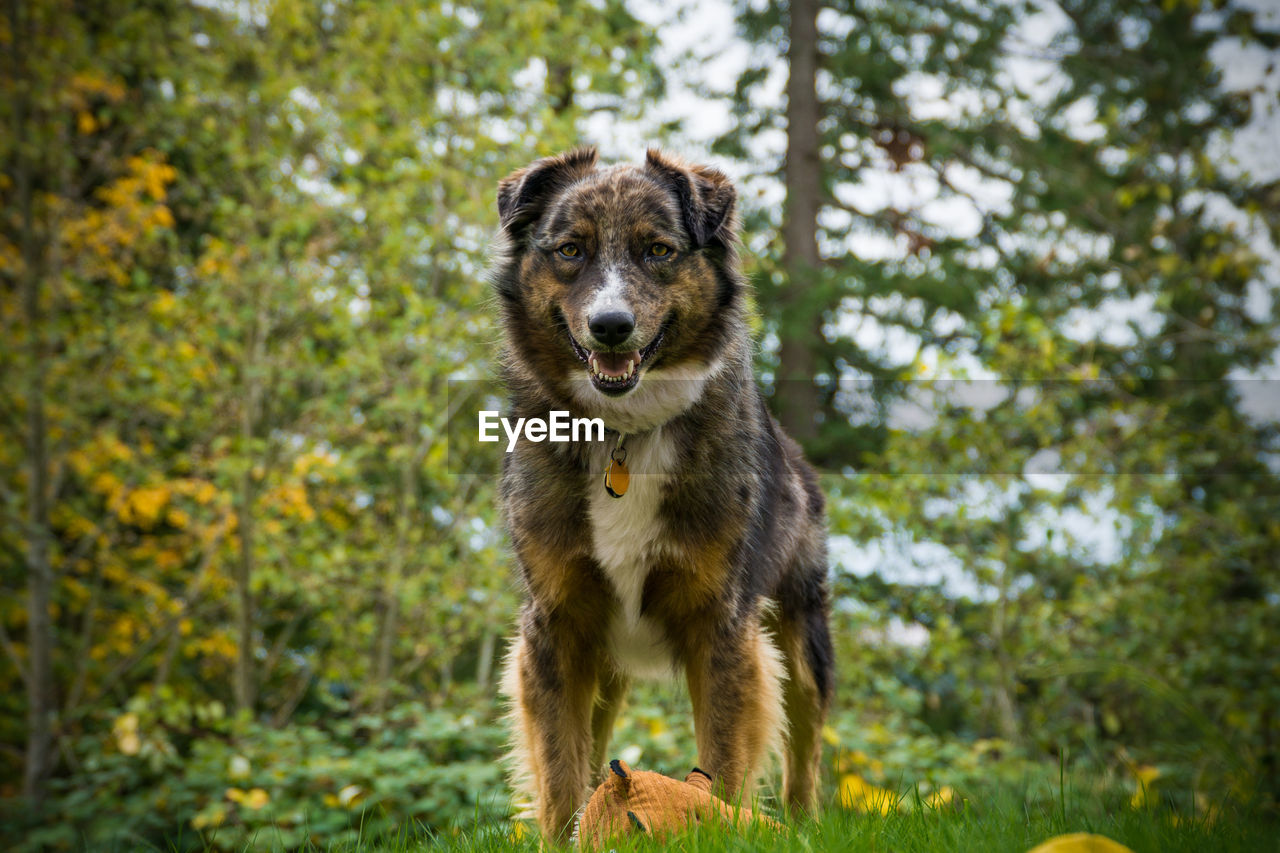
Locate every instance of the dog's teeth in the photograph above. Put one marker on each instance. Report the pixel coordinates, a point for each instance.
(630, 366)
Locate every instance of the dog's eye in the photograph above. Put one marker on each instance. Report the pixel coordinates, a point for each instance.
(659, 250)
(570, 250)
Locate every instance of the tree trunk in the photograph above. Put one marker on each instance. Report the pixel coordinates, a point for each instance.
(244, 692)
(484, 669)
(39, 569)
(391, 585)
(39, 752)
(799, 323)
(1005, 695)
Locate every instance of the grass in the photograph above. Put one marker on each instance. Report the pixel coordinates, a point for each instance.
(1000, 819)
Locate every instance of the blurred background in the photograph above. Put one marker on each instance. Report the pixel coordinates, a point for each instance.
(1023, 255)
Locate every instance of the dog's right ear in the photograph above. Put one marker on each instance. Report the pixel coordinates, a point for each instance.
(524, 193)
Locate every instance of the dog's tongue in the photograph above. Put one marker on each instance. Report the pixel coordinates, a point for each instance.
(615, 363)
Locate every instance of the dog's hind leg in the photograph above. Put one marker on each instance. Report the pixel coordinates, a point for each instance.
(805, 643)
(610, 697)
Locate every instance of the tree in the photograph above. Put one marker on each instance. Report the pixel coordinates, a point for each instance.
(243, 249)
(1105, 188)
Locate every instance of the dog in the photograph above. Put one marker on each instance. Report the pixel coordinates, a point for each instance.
(621, 298)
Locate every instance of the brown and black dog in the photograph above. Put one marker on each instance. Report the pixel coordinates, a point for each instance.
(621, 299)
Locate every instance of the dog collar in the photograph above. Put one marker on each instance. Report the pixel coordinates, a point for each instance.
(616, 476)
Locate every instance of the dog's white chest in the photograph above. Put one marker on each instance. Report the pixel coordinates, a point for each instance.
(627, 536)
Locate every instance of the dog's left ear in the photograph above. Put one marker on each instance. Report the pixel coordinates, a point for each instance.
(706, 197)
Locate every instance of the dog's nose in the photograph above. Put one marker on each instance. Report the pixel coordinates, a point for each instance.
(612, 327)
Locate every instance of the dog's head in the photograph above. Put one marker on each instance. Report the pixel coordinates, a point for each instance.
(610, 275)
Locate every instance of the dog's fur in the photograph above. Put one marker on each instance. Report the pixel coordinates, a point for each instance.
(714, 562)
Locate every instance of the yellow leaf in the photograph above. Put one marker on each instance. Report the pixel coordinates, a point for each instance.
(106, 484)
(143, 506)
(164, 303)
(162, 217)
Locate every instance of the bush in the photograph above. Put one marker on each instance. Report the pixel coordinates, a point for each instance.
(184, 777)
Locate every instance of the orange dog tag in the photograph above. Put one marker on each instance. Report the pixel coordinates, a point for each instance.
(616, 476)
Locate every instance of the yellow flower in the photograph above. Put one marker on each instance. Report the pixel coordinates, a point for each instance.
(1145, 776)
(254, 798)
(859, 794)
(211, 817)
(126, 732)
(939, 798)
(1080, 842)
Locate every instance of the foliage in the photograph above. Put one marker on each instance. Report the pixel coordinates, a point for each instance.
(181, 776)
(253, 238)
(1000, 185)
(246, 598)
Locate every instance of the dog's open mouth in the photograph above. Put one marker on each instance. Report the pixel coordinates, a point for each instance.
(616, 373)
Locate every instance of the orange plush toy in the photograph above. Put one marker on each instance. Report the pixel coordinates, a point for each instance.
(640, 801)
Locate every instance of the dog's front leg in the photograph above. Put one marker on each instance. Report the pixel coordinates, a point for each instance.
(735, 680)
(551, 679)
